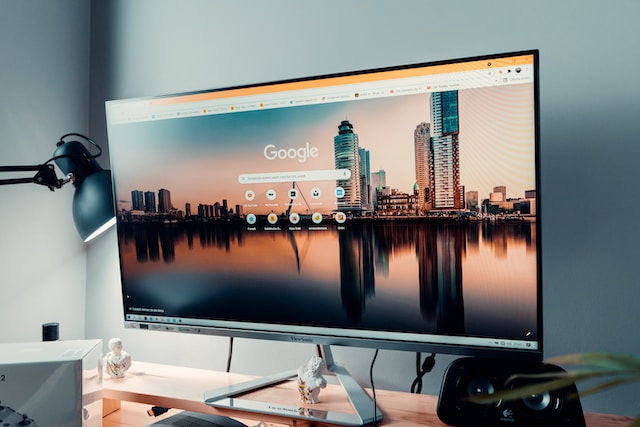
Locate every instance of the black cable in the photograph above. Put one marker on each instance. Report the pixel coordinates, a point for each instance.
(229, 354)
(421, 370)
(156, 410)
(86, 138)
(373, 389)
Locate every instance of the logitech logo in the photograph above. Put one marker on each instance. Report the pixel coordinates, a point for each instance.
(301, 154)
(507, 416)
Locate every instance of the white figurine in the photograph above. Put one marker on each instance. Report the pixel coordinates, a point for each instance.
(310, 380)
(117, 361)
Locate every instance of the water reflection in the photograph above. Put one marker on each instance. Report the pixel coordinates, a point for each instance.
(442, 277)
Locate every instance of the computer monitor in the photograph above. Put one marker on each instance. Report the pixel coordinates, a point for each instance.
(393, 208)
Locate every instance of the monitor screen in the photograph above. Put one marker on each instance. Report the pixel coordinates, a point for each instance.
(391, 208)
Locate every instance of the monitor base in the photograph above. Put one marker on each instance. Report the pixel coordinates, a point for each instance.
(365, 411)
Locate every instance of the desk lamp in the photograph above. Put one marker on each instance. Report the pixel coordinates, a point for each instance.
(93, 210)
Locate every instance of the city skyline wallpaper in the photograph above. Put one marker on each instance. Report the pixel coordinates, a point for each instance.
(199, 159)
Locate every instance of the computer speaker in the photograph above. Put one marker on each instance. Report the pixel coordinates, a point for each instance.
(472, 376)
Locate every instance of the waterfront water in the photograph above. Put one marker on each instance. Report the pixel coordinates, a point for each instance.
(457, 278)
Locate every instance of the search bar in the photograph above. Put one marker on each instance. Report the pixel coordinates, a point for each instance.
(310, 175)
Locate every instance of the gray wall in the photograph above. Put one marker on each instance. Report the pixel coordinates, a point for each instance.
(589, 106)
(44, 80)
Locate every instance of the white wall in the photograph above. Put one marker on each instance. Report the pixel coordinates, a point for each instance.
(590, 148)
(44, 76)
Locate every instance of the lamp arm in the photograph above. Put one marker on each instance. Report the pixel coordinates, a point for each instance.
(93, 196)
(45, 175)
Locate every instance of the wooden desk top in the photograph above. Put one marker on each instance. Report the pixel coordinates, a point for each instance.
(183, 388)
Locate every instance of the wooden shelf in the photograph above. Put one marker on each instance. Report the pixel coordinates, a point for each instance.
(183, 388)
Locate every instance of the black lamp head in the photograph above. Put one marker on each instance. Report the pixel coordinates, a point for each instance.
(74, 159)
(93, 199)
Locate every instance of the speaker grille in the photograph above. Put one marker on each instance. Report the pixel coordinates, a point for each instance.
(471, 376)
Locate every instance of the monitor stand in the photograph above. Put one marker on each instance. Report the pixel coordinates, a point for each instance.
(364, 408)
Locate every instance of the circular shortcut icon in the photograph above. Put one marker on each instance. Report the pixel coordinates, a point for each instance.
(316, 217)
(272, 218)
(316, 193)
(251, 219)
(294, 218)
(271, 194)
(341, 217)
(249, 195)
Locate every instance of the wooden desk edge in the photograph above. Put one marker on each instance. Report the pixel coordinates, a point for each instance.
(399, 408)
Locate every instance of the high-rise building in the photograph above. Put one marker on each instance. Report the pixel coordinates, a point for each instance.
(445, 153)
(421, 141)
(137, 200)
(378, 181)
(164, 201)
(501, 189)
(472, 200)
(496, 197)
(149, 201)
(347, 156)
(365, 179)
(202, 211)
(224, 209)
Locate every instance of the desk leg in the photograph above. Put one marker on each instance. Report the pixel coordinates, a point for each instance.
(109, 406)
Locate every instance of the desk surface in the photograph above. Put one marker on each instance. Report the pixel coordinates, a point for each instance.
(183, 388)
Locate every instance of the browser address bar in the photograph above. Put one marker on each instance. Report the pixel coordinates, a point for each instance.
(309, 175)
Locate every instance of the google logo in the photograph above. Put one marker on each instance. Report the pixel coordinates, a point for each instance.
(301, 154)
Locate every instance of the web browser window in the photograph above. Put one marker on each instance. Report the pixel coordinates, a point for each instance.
(395, 204)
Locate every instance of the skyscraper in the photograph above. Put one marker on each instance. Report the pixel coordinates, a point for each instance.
(378, 181)
(445, 152)
(347, 156)
(472, 200)
(365, 179)
(137, 200)
(149, 201)
(421, 141)
(164, 200)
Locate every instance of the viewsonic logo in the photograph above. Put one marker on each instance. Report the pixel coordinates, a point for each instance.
(300, 339)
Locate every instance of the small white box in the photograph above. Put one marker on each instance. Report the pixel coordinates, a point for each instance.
(51, 384)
